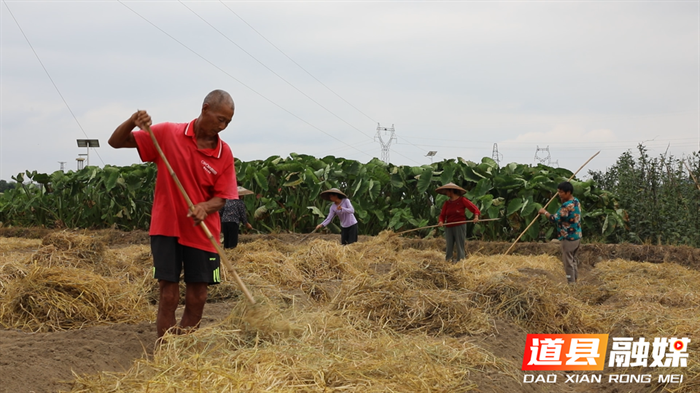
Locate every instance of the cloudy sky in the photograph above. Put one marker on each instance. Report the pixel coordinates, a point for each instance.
(317, 77)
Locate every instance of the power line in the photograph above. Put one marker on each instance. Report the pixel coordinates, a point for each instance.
(234, 78)
(50, 78)
(301, 67)
(279, 76)
(271, 70)
(337, 150)
(487, 142)
(297, 64)
(605, 145)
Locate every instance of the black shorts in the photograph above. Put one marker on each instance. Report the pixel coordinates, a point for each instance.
(169, 257)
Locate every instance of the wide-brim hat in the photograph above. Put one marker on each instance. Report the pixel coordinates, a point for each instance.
(451, 186)
(327, 194)
(244, 191)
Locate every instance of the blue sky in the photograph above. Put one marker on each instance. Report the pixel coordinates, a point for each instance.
(317, 77)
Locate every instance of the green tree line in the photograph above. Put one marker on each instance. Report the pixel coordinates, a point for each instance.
(287, 190)
(660, 196)
(5, 185)
(403, 197)
(89, 198)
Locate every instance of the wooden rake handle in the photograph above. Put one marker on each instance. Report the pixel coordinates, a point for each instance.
(458, 222)
(307, 236)
(202, 225)
(545, 206)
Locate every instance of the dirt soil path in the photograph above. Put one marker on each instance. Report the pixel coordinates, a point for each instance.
(38, 362)
(45, 362)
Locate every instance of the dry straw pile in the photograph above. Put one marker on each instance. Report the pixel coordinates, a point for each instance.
(376, 316)
(329, 353)
(69, 282)
(370, 317)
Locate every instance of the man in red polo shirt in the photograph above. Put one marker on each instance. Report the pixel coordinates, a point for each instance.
(204, 165)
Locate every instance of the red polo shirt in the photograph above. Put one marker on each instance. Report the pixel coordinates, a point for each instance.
(454, 211)
(204, 173)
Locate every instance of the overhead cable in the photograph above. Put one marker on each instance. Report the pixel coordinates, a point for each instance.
(234, 78)
(297, 64)
(271, 70)
(50, 78)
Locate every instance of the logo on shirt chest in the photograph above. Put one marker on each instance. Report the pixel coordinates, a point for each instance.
(208, 167)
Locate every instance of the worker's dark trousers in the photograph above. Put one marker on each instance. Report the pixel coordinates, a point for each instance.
(455, 238)
(348, 235)
(230, 230)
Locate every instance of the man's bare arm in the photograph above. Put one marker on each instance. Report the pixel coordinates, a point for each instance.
(203, 209)
(122, 136)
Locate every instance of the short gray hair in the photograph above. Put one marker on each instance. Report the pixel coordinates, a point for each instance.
(218, 97)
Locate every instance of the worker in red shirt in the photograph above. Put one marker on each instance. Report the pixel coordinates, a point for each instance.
(454, 211)
(204, 165)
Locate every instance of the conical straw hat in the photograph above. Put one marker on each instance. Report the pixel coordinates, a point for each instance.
(244, 191)
(451, 186)
(327, 194)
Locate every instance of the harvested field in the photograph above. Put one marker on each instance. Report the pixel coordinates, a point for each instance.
(384, 314)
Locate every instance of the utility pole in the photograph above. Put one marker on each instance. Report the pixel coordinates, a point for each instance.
(88, 143)
(385, 135)
(495, 155)
(546, 157)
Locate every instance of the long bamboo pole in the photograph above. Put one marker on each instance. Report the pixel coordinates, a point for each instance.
(202, 225)
(691, 175)
(458, 222)
(545, 206)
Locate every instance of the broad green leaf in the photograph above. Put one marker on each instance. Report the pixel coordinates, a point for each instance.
(395, 220)
(493, 212)
(397, 181)
(379, 214)
(260, 213)
(488, 161)
(528, 207)
(448, 174)
(424, 180)
(482, 187)
(293, 183)
(514, 205)
(290, 167)
(260, 180)
(534, 231)
(112, 176)
(607, 228)
(42, 178)
(508, 182)
(361, 213)
(486, 201)
(358, 186)
(472, 175)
